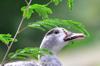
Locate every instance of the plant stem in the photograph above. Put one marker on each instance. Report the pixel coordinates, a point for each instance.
(12, 41)
(26, 2)
(21, 22)
(22, 29)
(48, 3)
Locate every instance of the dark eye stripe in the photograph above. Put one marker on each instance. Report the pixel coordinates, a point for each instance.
(56, 31)
(50, 32)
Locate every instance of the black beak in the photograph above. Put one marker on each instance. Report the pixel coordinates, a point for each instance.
(74, 36)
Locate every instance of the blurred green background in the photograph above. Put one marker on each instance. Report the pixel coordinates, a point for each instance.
(85, 52)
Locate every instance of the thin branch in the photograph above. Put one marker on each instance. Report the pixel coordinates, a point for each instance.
(4, 58)
(12, 42)
(29, 3)
(22, 29)
(26, 2)
(7, 45)
(48, 3)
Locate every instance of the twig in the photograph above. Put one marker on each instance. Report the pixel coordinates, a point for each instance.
(22, 29)
(48, 3)
(26, 2)
(12, 41)
(4, 58)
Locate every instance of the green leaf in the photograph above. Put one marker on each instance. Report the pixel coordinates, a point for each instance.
(70, 4)
(27, 53)
(47, 24)
(6, 38)
(42, 10)
(78, 26)
(27, 12)
(56, 2)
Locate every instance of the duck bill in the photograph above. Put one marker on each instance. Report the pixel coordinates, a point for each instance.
(74, 36)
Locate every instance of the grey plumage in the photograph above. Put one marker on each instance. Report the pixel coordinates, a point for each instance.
(50, 61)
(22, 63)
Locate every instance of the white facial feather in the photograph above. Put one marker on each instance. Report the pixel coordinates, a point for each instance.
(53, 41)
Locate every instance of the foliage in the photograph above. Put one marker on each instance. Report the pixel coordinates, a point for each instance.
(70, 4)
(56, 2)
(6, 38)
(50, 23)
(27, 53)
(42, 10)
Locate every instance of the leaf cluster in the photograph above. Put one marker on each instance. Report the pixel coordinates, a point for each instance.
(42, 10)
(6, 38)
(29, 53)
(51, 23)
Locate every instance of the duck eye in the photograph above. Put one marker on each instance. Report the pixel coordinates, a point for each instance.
(56, 32)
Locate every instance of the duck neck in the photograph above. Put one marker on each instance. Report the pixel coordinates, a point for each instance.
(52, 45)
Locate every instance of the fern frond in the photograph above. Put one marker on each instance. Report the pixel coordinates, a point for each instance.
(51, 23)
(28, 53)
(42, 10)
(6, 38)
